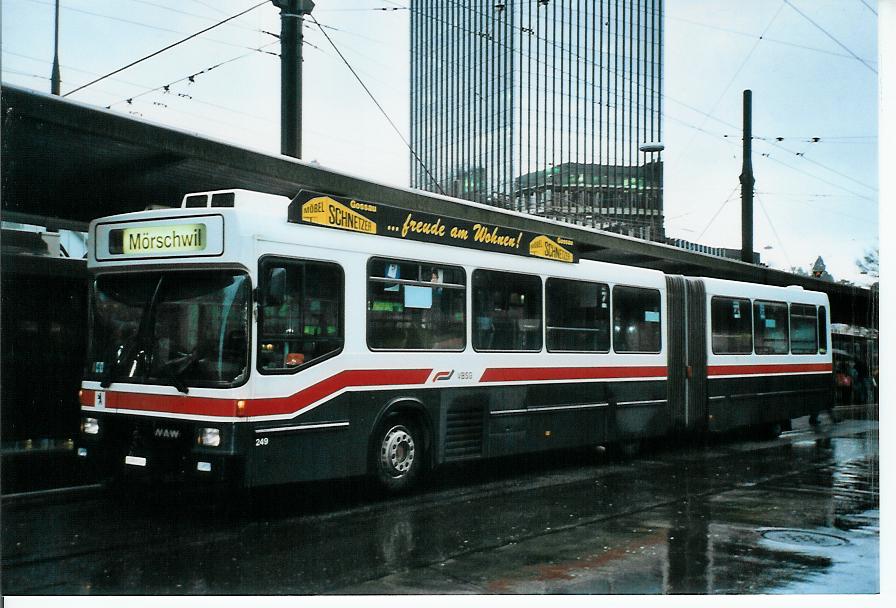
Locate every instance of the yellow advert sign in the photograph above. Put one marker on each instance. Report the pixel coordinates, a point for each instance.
(324, 211)
(172, 238)
(543, 247)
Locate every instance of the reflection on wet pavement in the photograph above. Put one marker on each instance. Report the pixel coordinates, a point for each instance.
(724, 518)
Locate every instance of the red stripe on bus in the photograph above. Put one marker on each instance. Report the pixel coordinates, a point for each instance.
(520, 374)
(334, 384)
(175, 404)
(206, 406)
(778, 368)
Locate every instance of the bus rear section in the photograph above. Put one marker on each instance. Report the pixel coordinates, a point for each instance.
(768, 355)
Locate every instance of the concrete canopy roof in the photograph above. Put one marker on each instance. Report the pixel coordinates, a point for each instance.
(74, 162)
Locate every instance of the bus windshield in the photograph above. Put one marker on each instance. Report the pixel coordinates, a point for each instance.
(181, 328)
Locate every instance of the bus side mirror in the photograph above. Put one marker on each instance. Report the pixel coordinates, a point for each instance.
(275, 288)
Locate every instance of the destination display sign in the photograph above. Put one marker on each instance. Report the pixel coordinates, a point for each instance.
(372, 218)
(173, 238)
(159, 238)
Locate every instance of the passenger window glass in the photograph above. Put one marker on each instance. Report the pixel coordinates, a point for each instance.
(770, 328)
(578, 316)
(507, 311)
(415, 306)
(822, 330)
(803, 329)
(636, 320)
(300, 314)
(732, 326)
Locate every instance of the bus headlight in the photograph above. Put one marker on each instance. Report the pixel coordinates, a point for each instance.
(90, 426)
(209, 437)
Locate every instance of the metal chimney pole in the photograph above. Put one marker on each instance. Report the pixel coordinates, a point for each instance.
(747, 182)
(292, 12)
(55, 79)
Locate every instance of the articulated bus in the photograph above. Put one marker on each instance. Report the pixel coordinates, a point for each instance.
(253, 338)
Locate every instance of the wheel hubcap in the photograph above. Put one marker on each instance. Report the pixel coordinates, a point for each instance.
(397, 451)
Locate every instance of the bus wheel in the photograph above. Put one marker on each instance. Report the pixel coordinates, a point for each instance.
(774, 430)
(399, 455)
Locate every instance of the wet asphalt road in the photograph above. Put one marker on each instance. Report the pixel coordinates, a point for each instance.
(798, 514)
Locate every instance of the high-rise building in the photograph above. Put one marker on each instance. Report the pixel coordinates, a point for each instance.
(542, 106)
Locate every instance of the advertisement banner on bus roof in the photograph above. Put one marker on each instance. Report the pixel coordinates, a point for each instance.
(373, 218)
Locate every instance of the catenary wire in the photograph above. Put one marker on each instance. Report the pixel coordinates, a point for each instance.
(775, 232)
(170, 46)
(829, 35)
(132, 22)
(718, 211)
(377, 103)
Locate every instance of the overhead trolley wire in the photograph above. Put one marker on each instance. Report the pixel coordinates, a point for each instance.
(139, 23)
(192, 77)
(718, 211)
(765, 38)
(170, 46)
(194, 15)
(211, 6)
(829, 35)
(377, 103)
(733, 78)
(775, 232)
(869, 7)
(708, 115)
(821, 179)
(825, 167)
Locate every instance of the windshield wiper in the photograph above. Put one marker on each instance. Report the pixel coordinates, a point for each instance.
(174, 369)
(138, 339)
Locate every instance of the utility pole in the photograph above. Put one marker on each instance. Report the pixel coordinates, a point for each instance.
(747, 182)
(55, 80)
(292, 13)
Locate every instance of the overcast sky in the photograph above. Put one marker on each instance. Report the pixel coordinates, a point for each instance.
(811, 64)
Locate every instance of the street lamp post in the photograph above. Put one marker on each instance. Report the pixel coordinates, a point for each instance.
(653, 148)
(292, 12)
(55, 79)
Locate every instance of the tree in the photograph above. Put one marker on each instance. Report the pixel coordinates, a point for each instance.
(819, 270)
(870, 263)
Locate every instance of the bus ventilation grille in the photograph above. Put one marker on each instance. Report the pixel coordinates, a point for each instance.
(463, 432)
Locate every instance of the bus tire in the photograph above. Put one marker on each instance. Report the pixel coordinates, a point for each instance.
(398, 453)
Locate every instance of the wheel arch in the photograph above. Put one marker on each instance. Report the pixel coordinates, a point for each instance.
(413, 409)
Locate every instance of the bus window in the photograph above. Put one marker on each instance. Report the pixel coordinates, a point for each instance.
(184, 328)
(577, 316)
(507, 311)
(770, 328)
(822, 330)
(636, 320)
(300, 313)
(803, 329)
(415, 306)
(732, 326)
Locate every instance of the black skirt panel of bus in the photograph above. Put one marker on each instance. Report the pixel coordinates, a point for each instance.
(760, 399)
